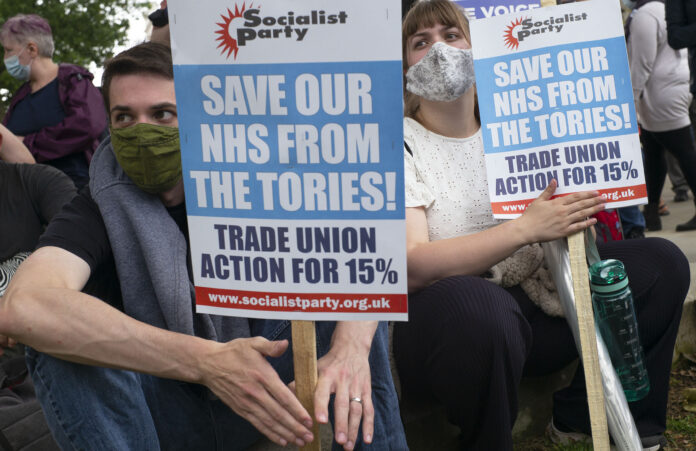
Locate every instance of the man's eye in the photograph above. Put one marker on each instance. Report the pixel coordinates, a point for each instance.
(164, 115)
(123, 117)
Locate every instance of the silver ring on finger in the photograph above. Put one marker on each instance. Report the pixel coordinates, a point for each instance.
(356, 399)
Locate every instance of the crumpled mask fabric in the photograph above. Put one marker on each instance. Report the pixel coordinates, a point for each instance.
(444, 74)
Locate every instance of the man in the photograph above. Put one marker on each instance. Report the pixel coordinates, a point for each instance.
(132, 220)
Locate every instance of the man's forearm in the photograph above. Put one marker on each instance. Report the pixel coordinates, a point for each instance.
(74, 326)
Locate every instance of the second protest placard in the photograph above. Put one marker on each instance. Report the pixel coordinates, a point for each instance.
(556, 102)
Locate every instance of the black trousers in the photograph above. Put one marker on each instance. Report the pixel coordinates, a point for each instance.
(680, 143)
(468, 343)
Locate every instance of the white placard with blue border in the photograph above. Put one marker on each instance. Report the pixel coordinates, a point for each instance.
(556, 102)
(290, 116)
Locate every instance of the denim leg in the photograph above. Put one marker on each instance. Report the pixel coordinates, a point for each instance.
(631, 217)
(389, 430)
(88, 407)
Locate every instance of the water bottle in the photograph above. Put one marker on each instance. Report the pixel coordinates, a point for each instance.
(616, 319)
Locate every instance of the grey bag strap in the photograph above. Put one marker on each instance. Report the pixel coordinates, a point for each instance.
(591, 251)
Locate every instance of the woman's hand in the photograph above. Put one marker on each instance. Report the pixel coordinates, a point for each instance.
(547, 219)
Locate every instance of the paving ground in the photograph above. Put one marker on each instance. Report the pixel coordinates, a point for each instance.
(679, 212)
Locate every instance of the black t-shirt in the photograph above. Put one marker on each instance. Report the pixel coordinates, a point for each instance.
(30, 195)
(37, 110)
(79, 229)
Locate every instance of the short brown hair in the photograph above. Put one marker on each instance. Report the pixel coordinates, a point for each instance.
(425, 14)
(147, 58)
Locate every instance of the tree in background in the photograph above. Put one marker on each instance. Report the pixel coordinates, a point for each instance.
(84, 31)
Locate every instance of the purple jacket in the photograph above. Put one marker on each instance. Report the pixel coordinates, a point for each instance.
(85, 117)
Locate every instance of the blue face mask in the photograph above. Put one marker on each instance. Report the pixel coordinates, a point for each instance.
(17, 70)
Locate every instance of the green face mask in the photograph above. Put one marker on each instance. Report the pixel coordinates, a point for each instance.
(149, 154)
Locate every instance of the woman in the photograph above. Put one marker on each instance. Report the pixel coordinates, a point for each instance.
(58, 112)
(469, 341)
(660, 78)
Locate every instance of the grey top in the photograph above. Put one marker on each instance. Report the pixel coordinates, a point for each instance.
(150, 254)
(660, 74)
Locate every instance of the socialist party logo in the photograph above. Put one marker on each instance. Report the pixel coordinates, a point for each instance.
(525, 28)
(247, 24)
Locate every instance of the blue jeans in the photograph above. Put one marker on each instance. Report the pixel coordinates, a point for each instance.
(631, 217)
(90, 407)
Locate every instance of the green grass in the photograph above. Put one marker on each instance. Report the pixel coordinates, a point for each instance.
(572, 447)
(685, 425)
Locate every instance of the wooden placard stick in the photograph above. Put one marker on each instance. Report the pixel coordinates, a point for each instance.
(588, 339)
(588, 342)
(304, 351)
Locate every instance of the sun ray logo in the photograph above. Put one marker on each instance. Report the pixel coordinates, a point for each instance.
(510, 40)
(227, 42)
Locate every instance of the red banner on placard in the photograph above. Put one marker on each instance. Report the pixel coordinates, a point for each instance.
(302, 302)
(612, 194)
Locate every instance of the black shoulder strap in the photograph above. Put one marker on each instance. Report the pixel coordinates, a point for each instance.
(408, 149)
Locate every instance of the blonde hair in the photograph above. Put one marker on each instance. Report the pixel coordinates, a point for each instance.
(425, 14)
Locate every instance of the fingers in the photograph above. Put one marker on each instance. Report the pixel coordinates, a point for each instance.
(292, 409)
(368, 422)
(273, 430)
(269, 348)
(322, 393)
(244, 379)
(549, 190)
(341, 406)
(272, 408)
(355, 414)
(289, 406)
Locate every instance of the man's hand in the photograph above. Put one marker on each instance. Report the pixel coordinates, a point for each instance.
(239, 374)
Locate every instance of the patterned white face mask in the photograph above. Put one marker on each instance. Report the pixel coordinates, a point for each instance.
(444, 74)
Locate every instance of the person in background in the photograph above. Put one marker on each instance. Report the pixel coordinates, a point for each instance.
(30, 195)
(58, 113)
(12, 149)
(679, 186)
(160, 25)
(660, 79)
(680, 16)
(483, 310)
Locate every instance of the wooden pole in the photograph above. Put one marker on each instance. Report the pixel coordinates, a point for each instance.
(304, 350)
(588, 342)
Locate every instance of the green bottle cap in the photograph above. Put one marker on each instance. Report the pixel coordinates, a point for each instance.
(608, 275)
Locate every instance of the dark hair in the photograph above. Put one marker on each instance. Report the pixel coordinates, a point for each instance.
(147, 58)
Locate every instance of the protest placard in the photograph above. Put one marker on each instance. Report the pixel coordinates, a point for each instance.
(292, 151)
(481, 9)
(556, 102)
